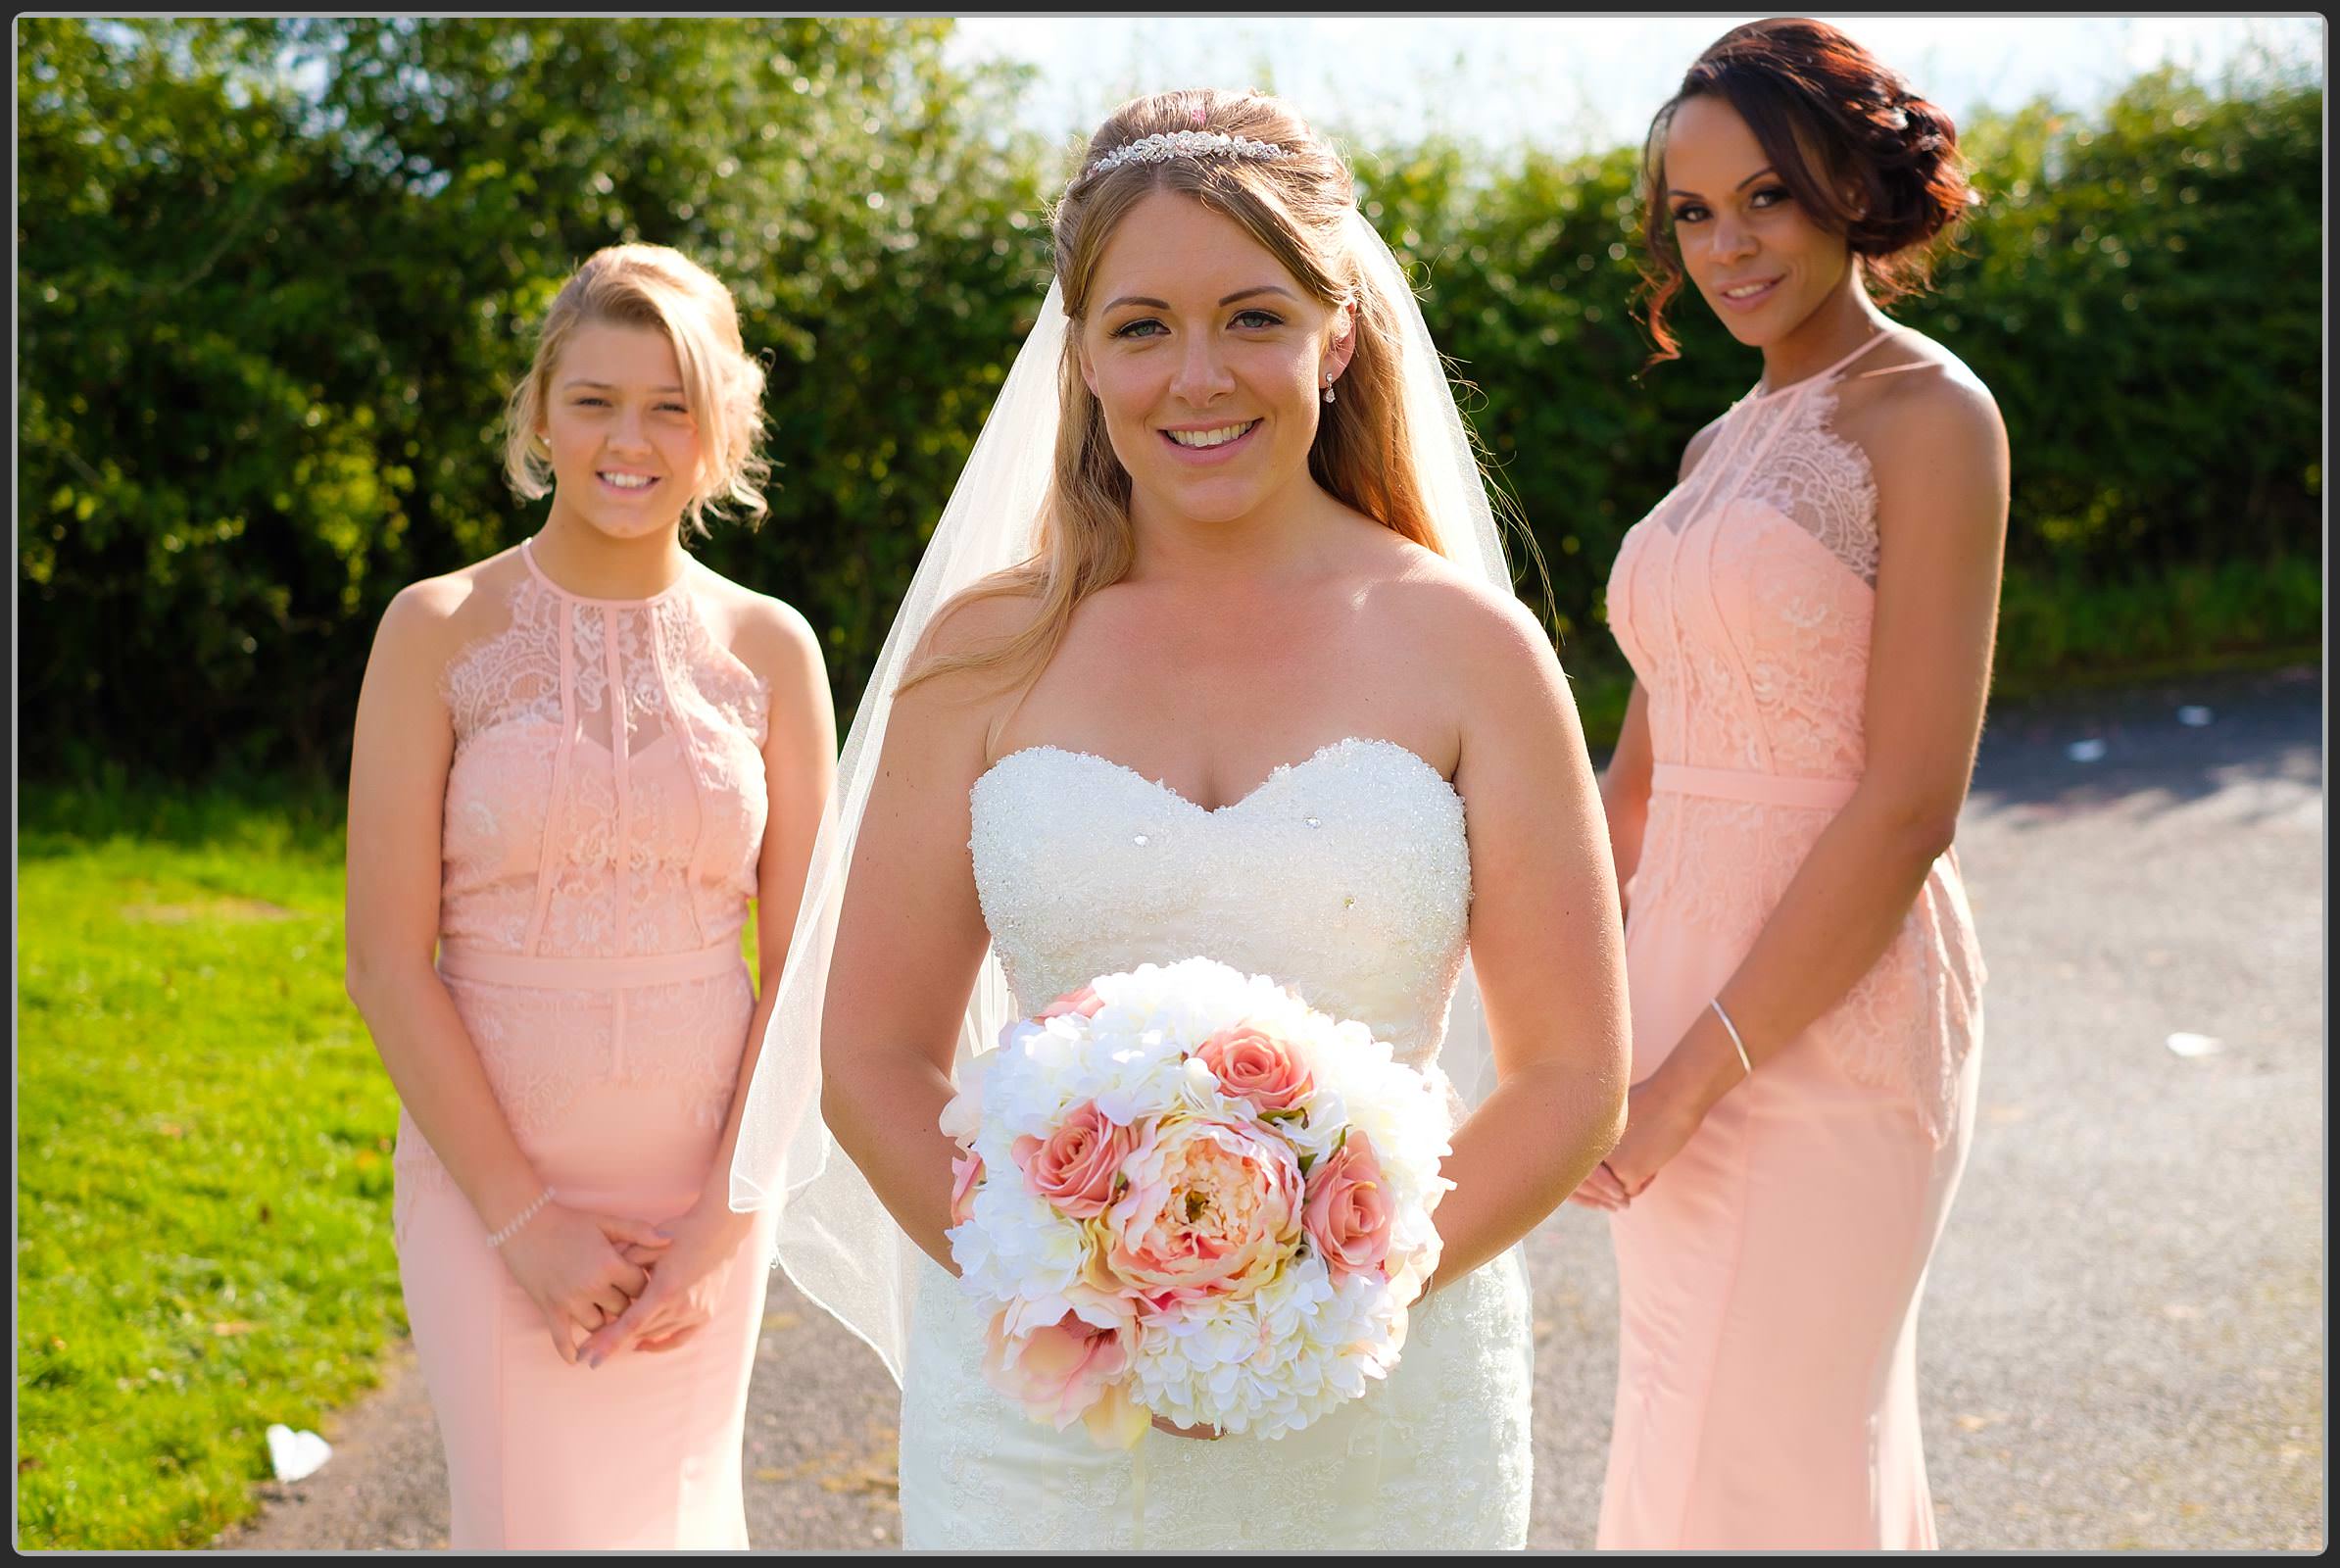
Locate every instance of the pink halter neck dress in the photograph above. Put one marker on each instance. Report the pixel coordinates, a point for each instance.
(604, 810)
(1769, 1277)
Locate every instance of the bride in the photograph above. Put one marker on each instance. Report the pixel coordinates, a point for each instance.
(1213, 653)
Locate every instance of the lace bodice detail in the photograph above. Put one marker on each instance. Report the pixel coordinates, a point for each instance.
(1744, 602)
(1727, 610)
(1347, 876)
(1807, 474)
(607, 795)
(606, 801)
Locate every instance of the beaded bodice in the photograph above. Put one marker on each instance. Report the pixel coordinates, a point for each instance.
(1345, 876)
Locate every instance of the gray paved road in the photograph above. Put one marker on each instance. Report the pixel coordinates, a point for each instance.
(2122, 1340)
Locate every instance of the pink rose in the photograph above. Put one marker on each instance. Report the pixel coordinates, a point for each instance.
(1252, 1064)
(1058, 1372)
(1212, 1208)
(1074, 1167)
(1349, 1209)
(966, 1174)
(1084, 1002)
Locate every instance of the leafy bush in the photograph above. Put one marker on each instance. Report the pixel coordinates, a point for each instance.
(276, 276)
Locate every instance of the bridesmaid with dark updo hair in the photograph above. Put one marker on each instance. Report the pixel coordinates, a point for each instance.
(1809, 616)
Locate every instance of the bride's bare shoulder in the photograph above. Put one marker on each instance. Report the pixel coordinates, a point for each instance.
(1445, 610)
(978, 620)
(974, 654)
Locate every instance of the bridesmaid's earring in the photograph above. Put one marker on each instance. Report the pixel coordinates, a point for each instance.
(1328, 392)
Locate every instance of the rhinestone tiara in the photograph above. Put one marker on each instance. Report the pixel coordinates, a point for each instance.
(1166, 145)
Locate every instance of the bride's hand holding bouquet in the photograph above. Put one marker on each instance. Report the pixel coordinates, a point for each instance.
(1192, 1200)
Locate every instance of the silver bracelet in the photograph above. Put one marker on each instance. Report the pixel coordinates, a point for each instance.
(1736, 1044)
(527, 1214)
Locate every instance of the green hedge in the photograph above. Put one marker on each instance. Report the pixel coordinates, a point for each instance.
(275, 278)
(267, 335)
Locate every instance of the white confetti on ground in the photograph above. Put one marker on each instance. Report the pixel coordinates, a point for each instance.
(297, 1456)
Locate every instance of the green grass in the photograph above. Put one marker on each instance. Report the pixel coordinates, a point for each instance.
(2057, 633)
(2055, 630)
(203, 1147)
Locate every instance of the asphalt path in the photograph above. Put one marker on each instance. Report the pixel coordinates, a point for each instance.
(2122, 1343)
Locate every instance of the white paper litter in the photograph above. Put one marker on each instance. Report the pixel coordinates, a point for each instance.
(2089, 751)
(2194, 715)
(297, 1456)
(2192, 1045)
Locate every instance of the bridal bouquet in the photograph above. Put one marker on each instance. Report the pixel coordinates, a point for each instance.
(1185, 1193)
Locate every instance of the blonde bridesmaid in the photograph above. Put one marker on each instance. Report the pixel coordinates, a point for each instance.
(1809, 616)
(576, 763)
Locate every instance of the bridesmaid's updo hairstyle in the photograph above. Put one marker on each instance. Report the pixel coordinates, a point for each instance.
(1862, 155)
(656, 287)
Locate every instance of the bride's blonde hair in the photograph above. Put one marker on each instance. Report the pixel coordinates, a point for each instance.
(1297, 207)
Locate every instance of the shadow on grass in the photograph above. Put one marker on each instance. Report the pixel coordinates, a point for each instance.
(263, 815)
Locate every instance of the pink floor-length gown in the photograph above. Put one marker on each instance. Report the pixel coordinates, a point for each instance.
(595, 883)
(1769, 1277)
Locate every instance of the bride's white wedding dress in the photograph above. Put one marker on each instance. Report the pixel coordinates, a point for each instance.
(1345, 876)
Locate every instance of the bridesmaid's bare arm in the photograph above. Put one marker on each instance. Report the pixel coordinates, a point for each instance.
(404, 744)
(1625, 790)
(911, 938)
(1939, 454)
(1545, 943)
(799, 771)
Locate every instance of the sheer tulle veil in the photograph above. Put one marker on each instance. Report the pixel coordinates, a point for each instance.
(837, 1242)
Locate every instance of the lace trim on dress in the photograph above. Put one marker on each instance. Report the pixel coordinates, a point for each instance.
(513, 675)
(1083, 866)
(1821, 482)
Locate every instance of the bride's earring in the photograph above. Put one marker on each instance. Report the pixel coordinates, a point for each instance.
(1328, 392)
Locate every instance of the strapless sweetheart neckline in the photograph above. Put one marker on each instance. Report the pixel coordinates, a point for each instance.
(1281, 773)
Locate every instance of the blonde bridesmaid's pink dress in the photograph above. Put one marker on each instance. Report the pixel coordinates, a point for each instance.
(604, 810)
(1769, 1277)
